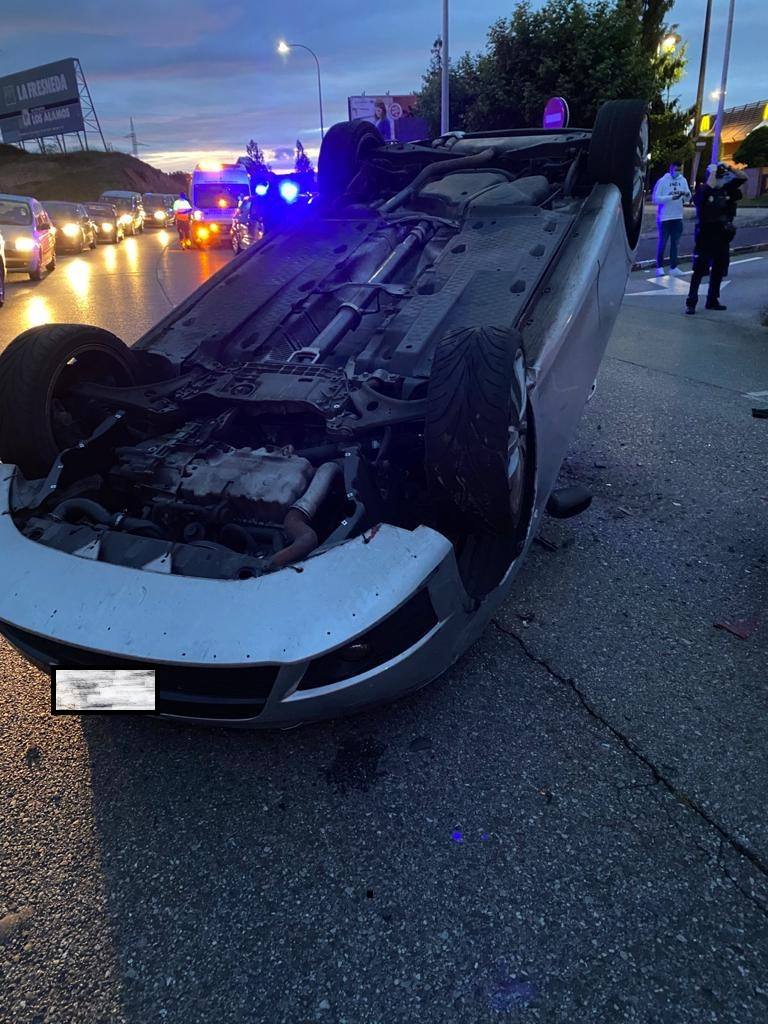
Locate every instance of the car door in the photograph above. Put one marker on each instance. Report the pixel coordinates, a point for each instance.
(241, 222)
(45, 235)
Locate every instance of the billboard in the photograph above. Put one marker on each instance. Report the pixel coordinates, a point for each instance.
(395, 117)
(40, 101)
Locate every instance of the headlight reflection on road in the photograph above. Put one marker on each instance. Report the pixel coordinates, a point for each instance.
(131, 249)
(37, 311)
(164, 237)
(78, 273)
(109, 253)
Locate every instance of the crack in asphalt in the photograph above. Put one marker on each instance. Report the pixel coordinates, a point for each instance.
(676, 376)
(659, 778)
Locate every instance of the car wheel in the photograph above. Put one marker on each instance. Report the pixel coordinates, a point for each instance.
(478, 451)
(236, 247)
(93, 242)
(36, 272)
(617, 156)
(37, 371)
(52, 262)
(2, 285)
(343, 149)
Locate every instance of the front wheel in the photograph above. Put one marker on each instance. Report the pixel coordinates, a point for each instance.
(478, 451)
(38, 370)
(36, 272)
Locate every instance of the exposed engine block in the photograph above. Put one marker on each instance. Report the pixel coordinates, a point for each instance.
(254, 484)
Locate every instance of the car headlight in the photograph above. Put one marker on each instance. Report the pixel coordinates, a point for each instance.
(25, 245)
(70, 230)
(160, 214)
(214, 227)
(107, 226)
(125, 218)
(197, 215)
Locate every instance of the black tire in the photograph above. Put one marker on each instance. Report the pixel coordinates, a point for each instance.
(344, 147)
(475, 432)
(617, 156)
(36, 273)
(52, 262)
(35, 372)
(2, 285)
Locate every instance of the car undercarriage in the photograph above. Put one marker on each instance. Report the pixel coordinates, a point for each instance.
(371, 365)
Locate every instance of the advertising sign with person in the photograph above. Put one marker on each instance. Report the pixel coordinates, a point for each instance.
(395, 117)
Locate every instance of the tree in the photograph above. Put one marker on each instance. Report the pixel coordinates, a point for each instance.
(303, 167)
(588, 51)
(753, 151)
(254, 161)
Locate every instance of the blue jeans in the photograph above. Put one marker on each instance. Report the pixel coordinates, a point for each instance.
(668, 230)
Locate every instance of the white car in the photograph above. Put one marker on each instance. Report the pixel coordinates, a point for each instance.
(309, 487)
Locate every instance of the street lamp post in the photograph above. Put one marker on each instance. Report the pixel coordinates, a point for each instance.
(444, 74)
(700, 95)
(723, 83)
(283, 47)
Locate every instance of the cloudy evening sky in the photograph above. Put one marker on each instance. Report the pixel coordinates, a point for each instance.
(204, 77)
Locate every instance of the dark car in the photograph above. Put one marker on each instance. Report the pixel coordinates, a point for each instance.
(109, 227)
(130, 209)
(75, 230)
(158, 210)
(247, 224)
(309, 487)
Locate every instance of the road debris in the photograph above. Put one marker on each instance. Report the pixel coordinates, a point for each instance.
(741, 628)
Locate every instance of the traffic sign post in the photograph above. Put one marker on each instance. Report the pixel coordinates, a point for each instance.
(556, 113)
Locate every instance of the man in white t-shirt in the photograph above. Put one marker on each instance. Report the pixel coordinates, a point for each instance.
(669, 194)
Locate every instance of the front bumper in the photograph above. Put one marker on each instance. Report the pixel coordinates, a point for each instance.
(238, 652)
(23, 262)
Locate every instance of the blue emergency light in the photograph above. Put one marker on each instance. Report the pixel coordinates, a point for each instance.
(289, 190)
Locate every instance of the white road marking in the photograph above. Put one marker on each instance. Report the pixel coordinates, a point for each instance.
(756, 394)
(671, 285)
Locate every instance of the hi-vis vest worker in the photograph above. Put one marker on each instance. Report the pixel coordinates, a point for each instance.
(182, 205)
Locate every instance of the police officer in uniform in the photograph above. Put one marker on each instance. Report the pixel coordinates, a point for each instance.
(715, 201)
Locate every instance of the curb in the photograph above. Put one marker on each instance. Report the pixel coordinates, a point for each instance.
(736, 251)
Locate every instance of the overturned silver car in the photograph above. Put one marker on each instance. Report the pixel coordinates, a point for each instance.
(306, 490)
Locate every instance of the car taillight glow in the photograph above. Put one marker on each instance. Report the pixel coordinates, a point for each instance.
(202, 232)
(214, 228)
(25, 245)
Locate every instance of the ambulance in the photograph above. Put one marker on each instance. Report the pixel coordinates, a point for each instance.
(215, 192)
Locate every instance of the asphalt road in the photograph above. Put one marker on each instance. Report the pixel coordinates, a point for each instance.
(126, 287)
(569, 826)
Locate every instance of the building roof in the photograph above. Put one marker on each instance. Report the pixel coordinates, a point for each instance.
(738, 122)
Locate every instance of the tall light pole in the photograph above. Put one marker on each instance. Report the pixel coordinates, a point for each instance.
(283, 47)
(723, 83)
(700, 94)
(444, 75)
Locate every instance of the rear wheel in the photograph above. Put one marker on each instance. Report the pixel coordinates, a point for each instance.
(344, 148)
(478, 451)
(617, 156)
(37, 372)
